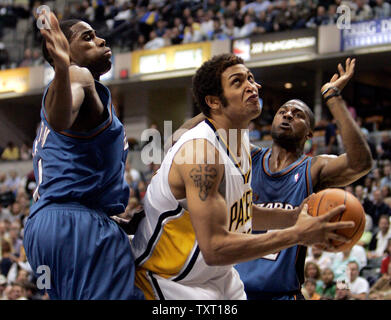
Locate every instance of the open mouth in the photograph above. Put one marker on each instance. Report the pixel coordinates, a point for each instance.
(285, 125)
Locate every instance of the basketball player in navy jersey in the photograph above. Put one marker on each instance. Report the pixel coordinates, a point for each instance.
(79, 160)
(283, 177)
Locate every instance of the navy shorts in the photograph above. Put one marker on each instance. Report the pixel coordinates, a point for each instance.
(88, 255)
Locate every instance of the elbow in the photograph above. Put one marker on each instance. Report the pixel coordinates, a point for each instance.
(211, 258)
(366, 164)
(214, 255)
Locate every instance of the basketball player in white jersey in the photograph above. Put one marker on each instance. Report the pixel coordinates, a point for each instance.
(199, 212)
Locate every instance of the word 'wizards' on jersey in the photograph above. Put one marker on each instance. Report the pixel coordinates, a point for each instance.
(281, 272)
(87, 168)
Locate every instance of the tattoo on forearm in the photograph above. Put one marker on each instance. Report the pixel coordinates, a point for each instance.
(203, 178)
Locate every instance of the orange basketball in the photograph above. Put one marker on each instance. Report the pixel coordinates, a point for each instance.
(325, 200)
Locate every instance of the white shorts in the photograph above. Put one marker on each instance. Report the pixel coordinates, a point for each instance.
(227, 287)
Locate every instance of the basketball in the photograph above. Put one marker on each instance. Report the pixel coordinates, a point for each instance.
(325, 200)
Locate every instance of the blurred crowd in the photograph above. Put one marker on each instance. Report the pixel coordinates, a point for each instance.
(142, 24)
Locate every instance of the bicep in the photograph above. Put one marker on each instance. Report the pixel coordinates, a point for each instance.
(206, 205)
(332, 171)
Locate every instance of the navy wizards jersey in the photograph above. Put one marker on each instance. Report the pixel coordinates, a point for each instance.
(280, 273)
(86, 168)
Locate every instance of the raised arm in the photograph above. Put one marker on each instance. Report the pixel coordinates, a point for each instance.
(67, 90)
(208, 212)
(330, 171)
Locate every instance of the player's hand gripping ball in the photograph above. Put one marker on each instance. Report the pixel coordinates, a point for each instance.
(325, 200)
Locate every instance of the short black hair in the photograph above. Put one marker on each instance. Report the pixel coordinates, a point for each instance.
(65, 27)
(308, 111)
(207, 80)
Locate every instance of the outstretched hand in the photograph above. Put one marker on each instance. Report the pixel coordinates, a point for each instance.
(319, 230)
(56, 42)
(344, 76)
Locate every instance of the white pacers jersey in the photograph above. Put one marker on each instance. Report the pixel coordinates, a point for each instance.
(169, 262)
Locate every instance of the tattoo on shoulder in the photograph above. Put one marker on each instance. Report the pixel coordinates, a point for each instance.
(203, 178)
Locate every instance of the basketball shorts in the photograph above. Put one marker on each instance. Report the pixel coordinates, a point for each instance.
(87, 254)
(227, 287)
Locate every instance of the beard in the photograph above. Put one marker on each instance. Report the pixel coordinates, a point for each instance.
(286, 140)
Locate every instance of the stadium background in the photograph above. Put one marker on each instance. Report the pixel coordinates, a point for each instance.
(292, 47)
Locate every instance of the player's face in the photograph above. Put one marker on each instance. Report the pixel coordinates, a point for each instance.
(241, 93)
(291, 123)
(88, 50)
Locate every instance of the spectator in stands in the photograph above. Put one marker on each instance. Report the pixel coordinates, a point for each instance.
(379, 241)
(264, 23)
(359, 286)
(367, 234)
(25, 152)
(3, 178)
(321, 18)
(11, 152)
(218, 33)
(381, 290)
(363, 11)
(248, 26)
(176, 36)
(135, 175)
(331, 138)
(384, 150)
(340, 263)
(230, 29)
(322, 258)
(27, 58)
(328, 286)
(257, 6)
(4, 56)
(386, 259)
(332, 15)
(155, 42)
(192, 31)
(386, 194)
(378, 208)
(376, 175)
(7, 258)
(312, 270)
(207, 24)
(37, 58)
(18, 292)
(386, 179)
(14, 237)
(140, 43)
(381, 10)
(3, 285)
(13, 181)
(342, 291)
(309, 291)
